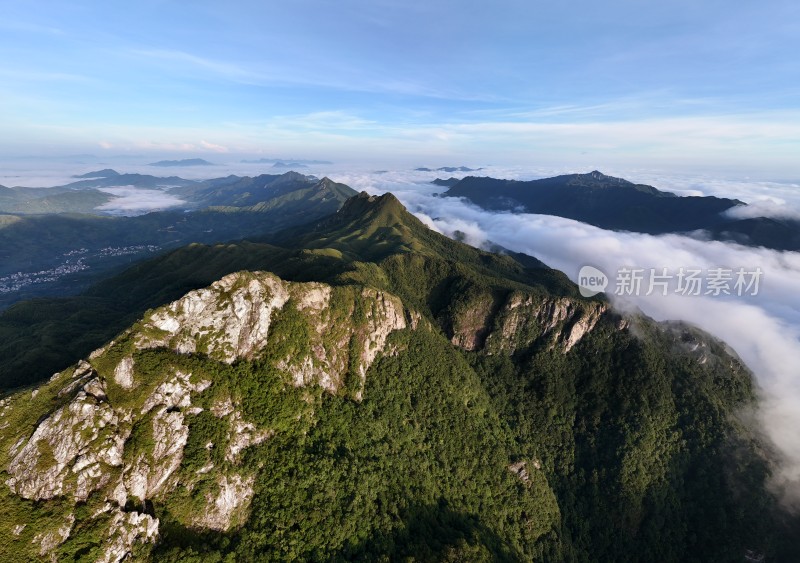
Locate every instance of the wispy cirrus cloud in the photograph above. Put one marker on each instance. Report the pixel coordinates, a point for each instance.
(324, 120)
(330, 74)
(214, 147)
(233, 71)
(29, 75)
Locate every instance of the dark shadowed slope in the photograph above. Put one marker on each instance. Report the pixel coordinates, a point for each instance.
(617, 204)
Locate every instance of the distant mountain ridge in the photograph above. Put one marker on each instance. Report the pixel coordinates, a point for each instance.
(448, 183)
(144, 181)
(618, 204)
(104, 173)
(84, 195)
(43, 255)
(242, 191)
(281, 164)
(184, 162)
(447, 169)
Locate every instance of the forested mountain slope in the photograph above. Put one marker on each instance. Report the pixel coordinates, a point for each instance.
(364, 388)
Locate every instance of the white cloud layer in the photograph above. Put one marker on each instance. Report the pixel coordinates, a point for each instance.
(130, 201)
(764, 329)
(777, 209)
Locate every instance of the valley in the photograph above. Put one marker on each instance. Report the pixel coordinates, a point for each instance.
(38, 252)
(373, 333)
(219, 390)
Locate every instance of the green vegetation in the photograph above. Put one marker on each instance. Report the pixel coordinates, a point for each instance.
(83, 201)
(60, 227)
(644, 448)
(625, 448)
(377, 244)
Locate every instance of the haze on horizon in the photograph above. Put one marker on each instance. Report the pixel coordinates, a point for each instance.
(680, 85)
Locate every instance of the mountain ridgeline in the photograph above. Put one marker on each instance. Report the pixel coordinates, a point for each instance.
(363, 388)
(63, 253)
(617, 204)
(84, 195)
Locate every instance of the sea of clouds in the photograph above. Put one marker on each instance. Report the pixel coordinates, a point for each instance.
(130, 200)
(763, 328)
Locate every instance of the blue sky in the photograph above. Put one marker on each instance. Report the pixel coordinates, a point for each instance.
(625, 82)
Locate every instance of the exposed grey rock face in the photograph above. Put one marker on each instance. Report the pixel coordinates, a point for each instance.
(520, 469)
(123, 374)
(386, 316)
(117, 435)
(174, 392)
(233, 496)
(230, 320)
(242, 435)
(126, 529)
(233, 314)
(146, 476)
(82, 439)
(484, 321)
(50, 540)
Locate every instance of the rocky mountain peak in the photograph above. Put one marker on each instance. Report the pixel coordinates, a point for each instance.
(116, 428)
(595, 177)
(364, 203)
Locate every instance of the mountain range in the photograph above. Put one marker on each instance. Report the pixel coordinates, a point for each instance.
(55, 242)
(182, 162)
(448, 169)
(62, 253)
(614, 203)
(301, 161)
(363, 388)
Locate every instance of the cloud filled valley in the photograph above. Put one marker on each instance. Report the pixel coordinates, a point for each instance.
(764, 329)
(130, 200)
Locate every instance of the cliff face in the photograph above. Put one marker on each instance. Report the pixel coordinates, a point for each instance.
(519, 320)
(113, 434)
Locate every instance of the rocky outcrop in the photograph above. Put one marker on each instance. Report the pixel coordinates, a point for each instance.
(385, 315)
(524, 319)
(123, 374)
(117, 431)
(230, 320)
(125, 530)
(48, 541)
(242, 435)
(471, 325)
(174, 392)
(483, 320)
(521, 470)
(146, 476)
(227, 507)
(227, 321)
(71, 451)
